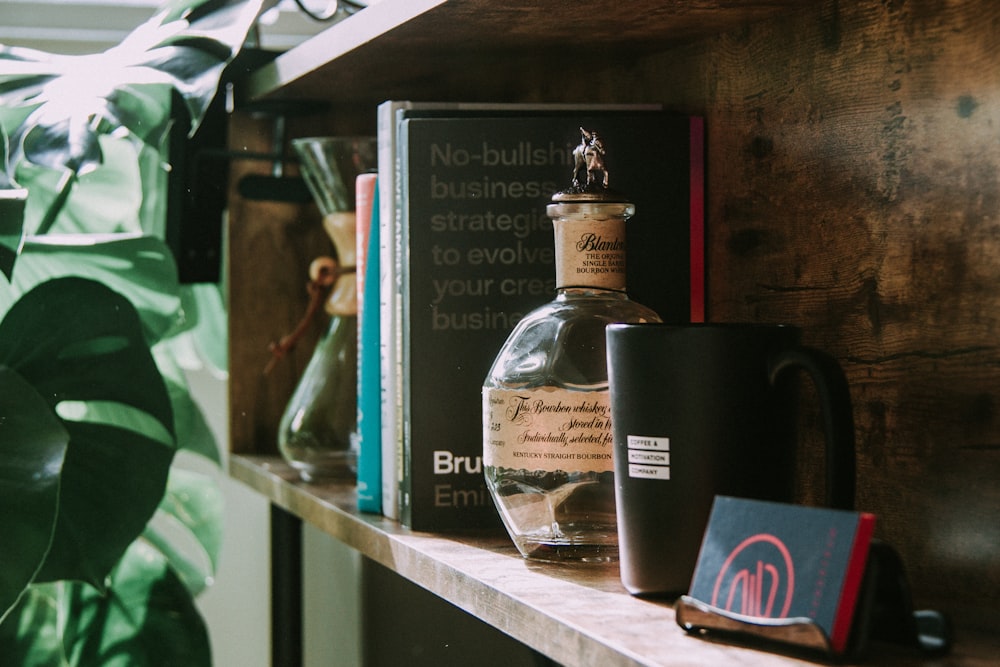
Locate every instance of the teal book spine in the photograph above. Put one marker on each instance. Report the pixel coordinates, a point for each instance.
(369, 370)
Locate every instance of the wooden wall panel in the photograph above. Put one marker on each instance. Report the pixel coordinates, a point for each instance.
(853, 189)
(854, 153)
(271, 245)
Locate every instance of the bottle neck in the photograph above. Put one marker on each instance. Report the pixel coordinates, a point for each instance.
(590, 245)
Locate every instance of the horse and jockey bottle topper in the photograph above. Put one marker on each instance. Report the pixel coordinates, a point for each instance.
(588, 158)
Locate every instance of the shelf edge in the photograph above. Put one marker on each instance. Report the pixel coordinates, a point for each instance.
(576, 615)
(339, 39)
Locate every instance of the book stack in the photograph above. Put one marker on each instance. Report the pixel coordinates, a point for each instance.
(465, 249)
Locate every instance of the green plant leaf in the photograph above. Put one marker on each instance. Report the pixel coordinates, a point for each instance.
(193, 432)
(30, 634)
(185, 48)
(187, 528)
(12, 203)
(33, 445)
(142, 269)
(78, 340)
(210, 327)
(108, 472)
(81, 346)
(107, 200)
(139, 267)
(147, 618)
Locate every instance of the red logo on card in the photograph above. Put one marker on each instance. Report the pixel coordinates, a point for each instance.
(757, 579)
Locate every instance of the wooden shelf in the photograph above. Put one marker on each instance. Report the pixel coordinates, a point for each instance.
(575, 614)
(850, 189)
(478, 49)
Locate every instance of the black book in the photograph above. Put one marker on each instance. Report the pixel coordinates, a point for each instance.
(474, 252)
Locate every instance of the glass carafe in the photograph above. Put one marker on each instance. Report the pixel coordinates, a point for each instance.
(318, 430)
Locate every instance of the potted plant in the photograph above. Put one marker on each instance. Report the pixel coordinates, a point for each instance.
(107, 539)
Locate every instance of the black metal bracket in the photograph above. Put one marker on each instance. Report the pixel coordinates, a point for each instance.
(286, 589)
(198, 182)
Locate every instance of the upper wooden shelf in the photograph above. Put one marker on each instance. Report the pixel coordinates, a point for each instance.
(575, 614)
(422, 49)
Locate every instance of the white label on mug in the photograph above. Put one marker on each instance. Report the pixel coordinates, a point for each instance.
(649, 458)
(648, 442)
(648, 472)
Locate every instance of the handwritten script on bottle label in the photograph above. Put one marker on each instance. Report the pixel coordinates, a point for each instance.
(547, 429)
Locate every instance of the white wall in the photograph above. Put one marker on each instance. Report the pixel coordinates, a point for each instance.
(237, 607)
(332, 601)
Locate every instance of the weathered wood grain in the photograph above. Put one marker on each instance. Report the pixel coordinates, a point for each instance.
(270, 247)
(577, 615)
(854, 153)
(853, 189)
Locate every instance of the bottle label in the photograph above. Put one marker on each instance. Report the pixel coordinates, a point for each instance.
(591, 254)
(547, 429)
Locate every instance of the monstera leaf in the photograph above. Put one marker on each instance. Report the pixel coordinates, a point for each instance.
(140, 268)
(31, 634)
(185, 46)
(55, 108)
(112, 542)
(187, 528)
(80, 347)
(33, 444)
(12, 201)
(147, 617)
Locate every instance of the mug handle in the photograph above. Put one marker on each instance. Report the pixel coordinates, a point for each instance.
(838, 417)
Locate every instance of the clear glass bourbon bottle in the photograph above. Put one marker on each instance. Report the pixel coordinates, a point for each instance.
(547, 443)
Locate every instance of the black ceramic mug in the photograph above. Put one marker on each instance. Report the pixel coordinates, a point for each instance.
(704, 409)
